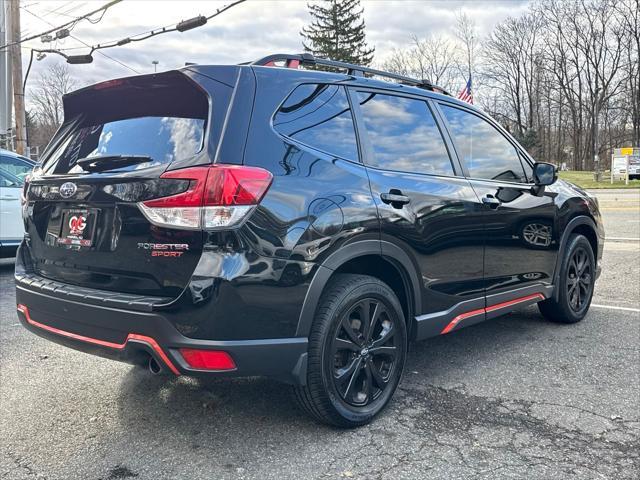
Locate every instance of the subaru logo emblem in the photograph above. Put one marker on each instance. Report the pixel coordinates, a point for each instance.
(68, 189)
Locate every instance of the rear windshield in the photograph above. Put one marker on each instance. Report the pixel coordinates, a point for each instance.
(163, 139)
(151, 119)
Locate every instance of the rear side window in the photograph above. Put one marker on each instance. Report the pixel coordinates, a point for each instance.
(485, 151)
(404, 135)
(319, 116)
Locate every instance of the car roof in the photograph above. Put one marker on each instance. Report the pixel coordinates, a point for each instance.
(9, 153)
(336, 77)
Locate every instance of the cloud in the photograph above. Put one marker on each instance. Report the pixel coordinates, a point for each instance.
(245, 32)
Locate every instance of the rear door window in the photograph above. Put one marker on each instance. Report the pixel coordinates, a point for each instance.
(319, 116)
(403, 134)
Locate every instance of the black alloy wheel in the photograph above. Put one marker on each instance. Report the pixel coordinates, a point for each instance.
(357, 351)
(574, 284)
(364, 351)
(579, 282)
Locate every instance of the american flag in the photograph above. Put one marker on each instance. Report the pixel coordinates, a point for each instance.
(465, 94)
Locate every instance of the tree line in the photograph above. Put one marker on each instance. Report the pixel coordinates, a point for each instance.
(563, 77)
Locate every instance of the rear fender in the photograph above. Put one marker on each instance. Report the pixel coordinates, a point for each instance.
(390, 252)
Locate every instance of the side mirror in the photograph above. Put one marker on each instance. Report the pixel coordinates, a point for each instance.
(544, 174)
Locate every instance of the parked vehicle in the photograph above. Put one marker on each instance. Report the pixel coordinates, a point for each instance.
(292, 223)
(13, 171)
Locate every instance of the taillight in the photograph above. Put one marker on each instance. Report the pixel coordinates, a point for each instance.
(219, 196)
(207, 359)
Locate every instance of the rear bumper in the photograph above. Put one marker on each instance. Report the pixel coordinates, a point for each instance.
(132, 335)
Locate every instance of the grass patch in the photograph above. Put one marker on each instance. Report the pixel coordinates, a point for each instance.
(585, 180)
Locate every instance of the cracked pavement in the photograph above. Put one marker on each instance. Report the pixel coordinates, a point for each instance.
(514, 397)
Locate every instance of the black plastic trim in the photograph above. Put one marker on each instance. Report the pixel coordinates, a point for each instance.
(432, 324)
(91, 296)
(397, 257)
(282, 359)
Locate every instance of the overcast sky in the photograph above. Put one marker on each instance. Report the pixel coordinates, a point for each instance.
(245, 32)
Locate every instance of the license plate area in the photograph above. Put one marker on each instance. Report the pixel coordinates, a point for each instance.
(78, 227)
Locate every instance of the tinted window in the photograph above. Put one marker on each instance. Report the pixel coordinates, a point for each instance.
(8, 180)
(164, 139)
(528, 169)
(319, 116)
(15, 166)
(485, 151)
(404, 135)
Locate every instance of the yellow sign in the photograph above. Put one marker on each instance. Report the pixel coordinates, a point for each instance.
(626, 151)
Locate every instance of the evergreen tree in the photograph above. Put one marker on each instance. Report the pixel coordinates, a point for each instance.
(337, 32)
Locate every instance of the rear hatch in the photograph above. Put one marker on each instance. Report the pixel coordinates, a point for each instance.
(83, 221)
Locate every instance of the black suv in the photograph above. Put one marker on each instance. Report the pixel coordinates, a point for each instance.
(296, 223)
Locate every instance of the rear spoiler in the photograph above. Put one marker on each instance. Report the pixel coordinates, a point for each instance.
(139, 95)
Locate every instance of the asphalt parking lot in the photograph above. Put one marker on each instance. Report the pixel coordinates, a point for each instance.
(516, 397)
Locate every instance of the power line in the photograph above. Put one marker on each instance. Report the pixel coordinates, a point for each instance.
(71, 23)
(81, 41)
(55, 10)
(180, 26)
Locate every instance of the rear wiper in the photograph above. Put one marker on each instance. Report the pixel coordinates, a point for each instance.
(107, 162)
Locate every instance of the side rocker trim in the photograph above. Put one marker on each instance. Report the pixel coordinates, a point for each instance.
(476, 310)
(492, 308)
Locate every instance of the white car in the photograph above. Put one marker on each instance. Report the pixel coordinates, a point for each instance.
(13, 171)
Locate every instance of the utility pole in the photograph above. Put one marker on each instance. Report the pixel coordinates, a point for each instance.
(6, 103)
(15, 55)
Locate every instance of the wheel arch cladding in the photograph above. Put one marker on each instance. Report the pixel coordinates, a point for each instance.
(590, 233)
(394, 268)
(582, 225)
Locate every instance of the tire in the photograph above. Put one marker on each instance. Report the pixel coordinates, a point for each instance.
(342, 361)
(577, 271)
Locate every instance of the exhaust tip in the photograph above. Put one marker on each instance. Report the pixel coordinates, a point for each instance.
(154, 366)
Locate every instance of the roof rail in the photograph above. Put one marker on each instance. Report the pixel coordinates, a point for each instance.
(296, 60)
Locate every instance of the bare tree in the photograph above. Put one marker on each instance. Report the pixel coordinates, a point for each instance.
(629, 10)
(434, 58)
(584, 52)
(512, 57)
(465, 32)
(46, 99)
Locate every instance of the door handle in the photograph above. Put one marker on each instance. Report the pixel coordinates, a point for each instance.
(491, 201)
(395, 198)
(9, 198)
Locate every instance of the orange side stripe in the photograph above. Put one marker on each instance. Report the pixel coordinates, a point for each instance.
(498, 306)
(116, 346)
(452, 324)
(459, 318)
